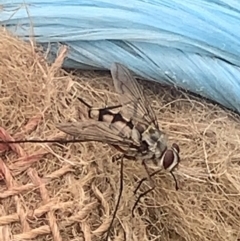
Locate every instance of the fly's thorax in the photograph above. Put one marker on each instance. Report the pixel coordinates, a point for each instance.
(155, 140)
(170, 158)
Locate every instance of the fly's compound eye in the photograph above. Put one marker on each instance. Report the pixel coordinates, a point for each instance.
(176, 147)
(168, 159)
(171, 158)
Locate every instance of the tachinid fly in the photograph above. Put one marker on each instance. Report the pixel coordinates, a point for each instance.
(131, 127)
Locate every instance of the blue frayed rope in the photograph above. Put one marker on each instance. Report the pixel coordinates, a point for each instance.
(194, 43)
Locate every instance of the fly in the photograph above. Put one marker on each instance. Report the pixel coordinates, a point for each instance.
(130, 127)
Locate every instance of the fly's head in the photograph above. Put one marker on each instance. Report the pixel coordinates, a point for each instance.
(166, 157)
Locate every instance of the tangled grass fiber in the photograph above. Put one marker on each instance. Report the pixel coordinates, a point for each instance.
(68, 192)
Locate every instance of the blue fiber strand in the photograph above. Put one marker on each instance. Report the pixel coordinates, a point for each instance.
(190, 44)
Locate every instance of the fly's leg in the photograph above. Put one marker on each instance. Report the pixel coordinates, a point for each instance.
(119, 196)
(175, 180)
(146, 192)
(152, 184)
(143, 180)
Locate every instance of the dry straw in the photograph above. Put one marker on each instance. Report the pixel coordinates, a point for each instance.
(68, 192)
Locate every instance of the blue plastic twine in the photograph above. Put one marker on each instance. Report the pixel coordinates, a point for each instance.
(195, 43)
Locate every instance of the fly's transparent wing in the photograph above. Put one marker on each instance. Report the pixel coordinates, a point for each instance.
(92, 130)
(132, 95)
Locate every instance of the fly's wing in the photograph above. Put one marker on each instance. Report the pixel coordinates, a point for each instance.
(132, 95)
(92, 130)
